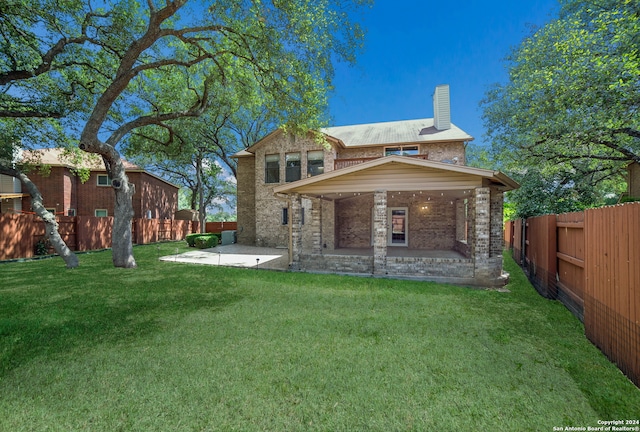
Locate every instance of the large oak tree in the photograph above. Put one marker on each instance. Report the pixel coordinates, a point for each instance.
(147, 64)
(571, 107)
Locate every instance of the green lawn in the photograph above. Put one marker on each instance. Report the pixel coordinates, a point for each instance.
(176, 347)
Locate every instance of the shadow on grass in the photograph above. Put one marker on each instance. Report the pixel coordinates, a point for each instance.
(64, 321)
(551, 327)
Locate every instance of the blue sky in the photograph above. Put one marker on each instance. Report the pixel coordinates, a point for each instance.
(411, 46)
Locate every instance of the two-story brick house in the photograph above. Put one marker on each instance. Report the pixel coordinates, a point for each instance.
(391, 198)
(64, 194)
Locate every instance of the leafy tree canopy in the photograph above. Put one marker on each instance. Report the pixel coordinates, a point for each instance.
(125, 66)
(569, 113)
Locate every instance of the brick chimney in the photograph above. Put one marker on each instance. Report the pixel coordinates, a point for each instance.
(441, 108)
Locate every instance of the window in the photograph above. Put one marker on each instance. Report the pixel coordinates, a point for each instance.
(104, 180)
(101, 213)
(285, 216)
(401, 151)
(293, 167)
(272, 168)
(51, 210)
(315, 163)
(71, 212)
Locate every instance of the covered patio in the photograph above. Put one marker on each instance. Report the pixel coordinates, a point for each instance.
(399, 216)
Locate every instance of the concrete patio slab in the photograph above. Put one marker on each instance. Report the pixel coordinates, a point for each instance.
(235, 255)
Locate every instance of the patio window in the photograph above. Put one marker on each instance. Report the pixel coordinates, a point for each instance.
(104, 180)
(315, 163)
(401, 151)
(293, 167)
(272, 168)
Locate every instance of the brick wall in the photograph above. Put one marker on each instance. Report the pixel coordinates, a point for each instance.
(154, 195)
(353, 222)
(92, 197)
(432, 223)
(52, 188)
(269, 230)
(63, 191)
(437, 152)
(246, 201)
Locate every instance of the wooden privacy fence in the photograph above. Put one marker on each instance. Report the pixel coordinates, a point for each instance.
(19, 233)
(590, 261)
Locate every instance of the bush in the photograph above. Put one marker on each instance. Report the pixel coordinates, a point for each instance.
(191, 239)
(42, 247)
(206, 241)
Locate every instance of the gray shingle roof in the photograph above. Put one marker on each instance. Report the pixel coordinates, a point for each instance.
(395, 132)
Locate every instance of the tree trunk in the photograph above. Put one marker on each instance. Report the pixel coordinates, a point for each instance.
(121, 235)
(51, 226)
(201, 210)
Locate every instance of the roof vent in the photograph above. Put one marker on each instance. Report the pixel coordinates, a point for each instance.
(441, 108)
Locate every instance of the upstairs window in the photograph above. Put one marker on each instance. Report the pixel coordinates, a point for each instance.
(315, 163)
(401, 151)
(272, 168)
(104, 180)
(293, 167)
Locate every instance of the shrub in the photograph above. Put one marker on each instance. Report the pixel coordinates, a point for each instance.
(191, 239)
(206, 241)
(42, 247)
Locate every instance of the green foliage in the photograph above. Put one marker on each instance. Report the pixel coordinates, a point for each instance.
(106, 71)
(191, 239)
(206, 241)
(222, 216)
(569, 110)
(202, 241)
(42, 247)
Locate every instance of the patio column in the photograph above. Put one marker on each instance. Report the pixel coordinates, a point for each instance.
(497, 233)
(316, 227)
(295, 231)
(380, 232)
(482, 233)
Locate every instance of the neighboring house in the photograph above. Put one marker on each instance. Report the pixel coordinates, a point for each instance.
(390, 198)
(64, 194)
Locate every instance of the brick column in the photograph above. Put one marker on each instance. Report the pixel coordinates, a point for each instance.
(482, 234)
(497, 228)
(295, 231)
(380, 232)
(316, 227)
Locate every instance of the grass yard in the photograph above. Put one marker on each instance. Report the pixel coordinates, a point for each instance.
(176, 347)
